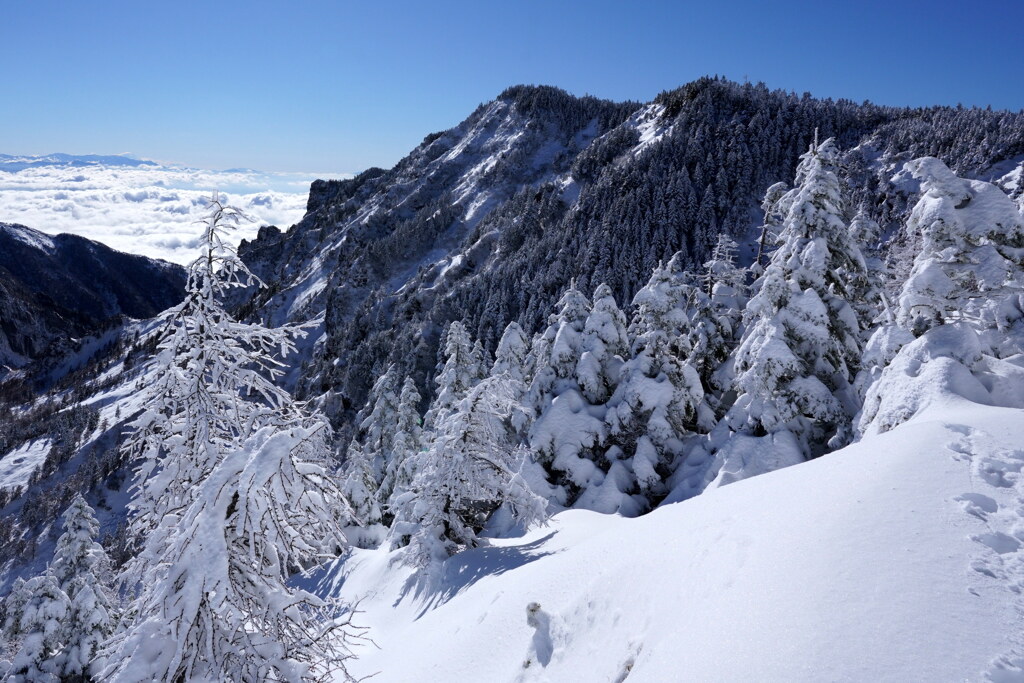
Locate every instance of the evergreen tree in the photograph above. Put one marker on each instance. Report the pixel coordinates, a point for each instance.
(801, 346)
(512, 355)
(963, 301)
(556, 351)
(715, 317)
(377, 422)
(567, 432)
(230, 496)
(656, 403)
(360, 487)
(970, 266)
(462, 369)
(774, 207)
(604, 344)
(11, 610)
(40, 625)
(867, 287)
(405, 450)
(80, 566)
(471, 468)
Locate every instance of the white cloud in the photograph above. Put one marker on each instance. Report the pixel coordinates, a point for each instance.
(149, 209)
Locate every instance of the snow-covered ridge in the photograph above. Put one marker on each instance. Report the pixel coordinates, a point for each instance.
(470, 169)
(32, 238)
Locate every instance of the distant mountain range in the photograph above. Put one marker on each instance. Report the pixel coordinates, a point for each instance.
(14, 163)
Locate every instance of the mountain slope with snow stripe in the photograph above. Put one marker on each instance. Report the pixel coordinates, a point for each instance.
(866, 564)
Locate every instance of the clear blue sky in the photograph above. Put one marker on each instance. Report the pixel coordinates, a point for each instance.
(339, 86)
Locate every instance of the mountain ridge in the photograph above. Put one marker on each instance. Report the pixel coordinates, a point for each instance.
(59, 287)
(499, 239)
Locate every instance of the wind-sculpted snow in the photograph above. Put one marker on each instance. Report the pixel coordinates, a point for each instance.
(140, 207)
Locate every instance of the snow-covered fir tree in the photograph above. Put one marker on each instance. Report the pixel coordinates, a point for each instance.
(963, 301)
(231, 495)
(970, 263)
(39, 618)
(657, 400)
(723, 279)
(867, 287)
(472, 468)
(81, 568)
(10, 612)
(462, 368)
(604, 344)
(377, 422)
(512, 355)
(774, 206)
(716, 312)
(360, 487)
(801, 346)
(568, 432)
(405, 449)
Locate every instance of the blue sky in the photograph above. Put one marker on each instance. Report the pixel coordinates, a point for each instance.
(339, 86)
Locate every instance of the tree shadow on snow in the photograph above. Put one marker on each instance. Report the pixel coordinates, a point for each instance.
(436, 586)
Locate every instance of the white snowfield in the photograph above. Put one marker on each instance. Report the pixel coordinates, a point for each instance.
(895, 559)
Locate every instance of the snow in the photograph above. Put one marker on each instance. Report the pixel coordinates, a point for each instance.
(33, 238)
(892, 559)
(17, 466)
(651, 126)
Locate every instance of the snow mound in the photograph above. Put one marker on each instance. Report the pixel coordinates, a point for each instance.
(947, 366)
(897, 558)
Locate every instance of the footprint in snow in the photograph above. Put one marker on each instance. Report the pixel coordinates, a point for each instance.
(998, 503)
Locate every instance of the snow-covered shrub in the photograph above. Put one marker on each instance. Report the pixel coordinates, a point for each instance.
(947, 364)
(971, 263)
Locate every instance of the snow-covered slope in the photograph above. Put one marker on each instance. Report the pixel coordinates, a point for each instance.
(895, 559)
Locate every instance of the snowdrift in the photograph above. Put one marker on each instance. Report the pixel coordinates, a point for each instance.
(894, 559)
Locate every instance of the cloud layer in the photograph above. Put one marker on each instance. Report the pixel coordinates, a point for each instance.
(145, 209)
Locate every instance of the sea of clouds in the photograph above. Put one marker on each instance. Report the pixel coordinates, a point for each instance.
(142, 207)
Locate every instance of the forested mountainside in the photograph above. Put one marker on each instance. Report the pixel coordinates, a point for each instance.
(559, 304)
(56, 289)
(489, 221)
